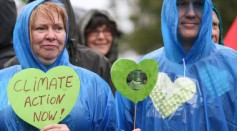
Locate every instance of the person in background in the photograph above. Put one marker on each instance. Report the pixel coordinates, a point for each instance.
(40, 38)
(98, 31)
(8, 15)
(217, 28)
(196, 85)
(83, 56)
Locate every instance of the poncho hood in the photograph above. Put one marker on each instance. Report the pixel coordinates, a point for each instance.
(173, 48)
(21, 39)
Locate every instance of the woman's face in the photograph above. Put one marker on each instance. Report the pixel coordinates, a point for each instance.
(47, 37)
(100, 39)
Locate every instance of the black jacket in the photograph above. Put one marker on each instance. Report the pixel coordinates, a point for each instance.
(83, 56)
(8, 15)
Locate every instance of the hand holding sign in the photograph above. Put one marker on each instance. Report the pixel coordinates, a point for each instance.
(134, 81)
(44, 98)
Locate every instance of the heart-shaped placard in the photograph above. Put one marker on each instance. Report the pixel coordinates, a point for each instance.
(134, 81)
(44, 98)
(167, 96)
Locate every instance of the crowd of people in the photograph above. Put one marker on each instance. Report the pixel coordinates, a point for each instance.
(45, 35)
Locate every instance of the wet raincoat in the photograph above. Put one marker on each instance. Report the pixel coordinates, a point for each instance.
(94, 108)
(195, 91)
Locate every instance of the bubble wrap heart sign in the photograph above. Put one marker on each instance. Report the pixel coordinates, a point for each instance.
(168, 96)
(43, 98)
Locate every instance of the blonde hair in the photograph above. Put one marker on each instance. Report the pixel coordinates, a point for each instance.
(48, 8)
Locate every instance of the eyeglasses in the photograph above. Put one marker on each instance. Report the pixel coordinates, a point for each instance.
(105, 31)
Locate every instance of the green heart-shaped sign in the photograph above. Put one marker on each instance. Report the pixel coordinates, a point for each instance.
(132, 80)
(44, 98)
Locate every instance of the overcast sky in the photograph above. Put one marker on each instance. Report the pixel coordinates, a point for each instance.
(88, 4)
(122, 16)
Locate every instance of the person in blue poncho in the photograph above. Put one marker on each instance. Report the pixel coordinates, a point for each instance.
(40, 34)
(196, 88)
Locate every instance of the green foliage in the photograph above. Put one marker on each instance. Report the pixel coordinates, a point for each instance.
(150, 6)
(24, 1)
(147, 35)
(146, 38)
(228, 11)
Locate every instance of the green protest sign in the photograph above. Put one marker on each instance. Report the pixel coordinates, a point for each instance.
(43, 98)
(132, 80)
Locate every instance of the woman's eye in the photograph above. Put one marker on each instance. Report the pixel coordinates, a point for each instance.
(40, 28)
(59, 28)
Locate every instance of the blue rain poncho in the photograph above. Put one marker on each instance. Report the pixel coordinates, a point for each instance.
(195, 91)
(94, 108)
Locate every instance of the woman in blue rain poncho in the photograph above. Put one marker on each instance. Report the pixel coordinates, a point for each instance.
(196, 88)
(39, 38)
